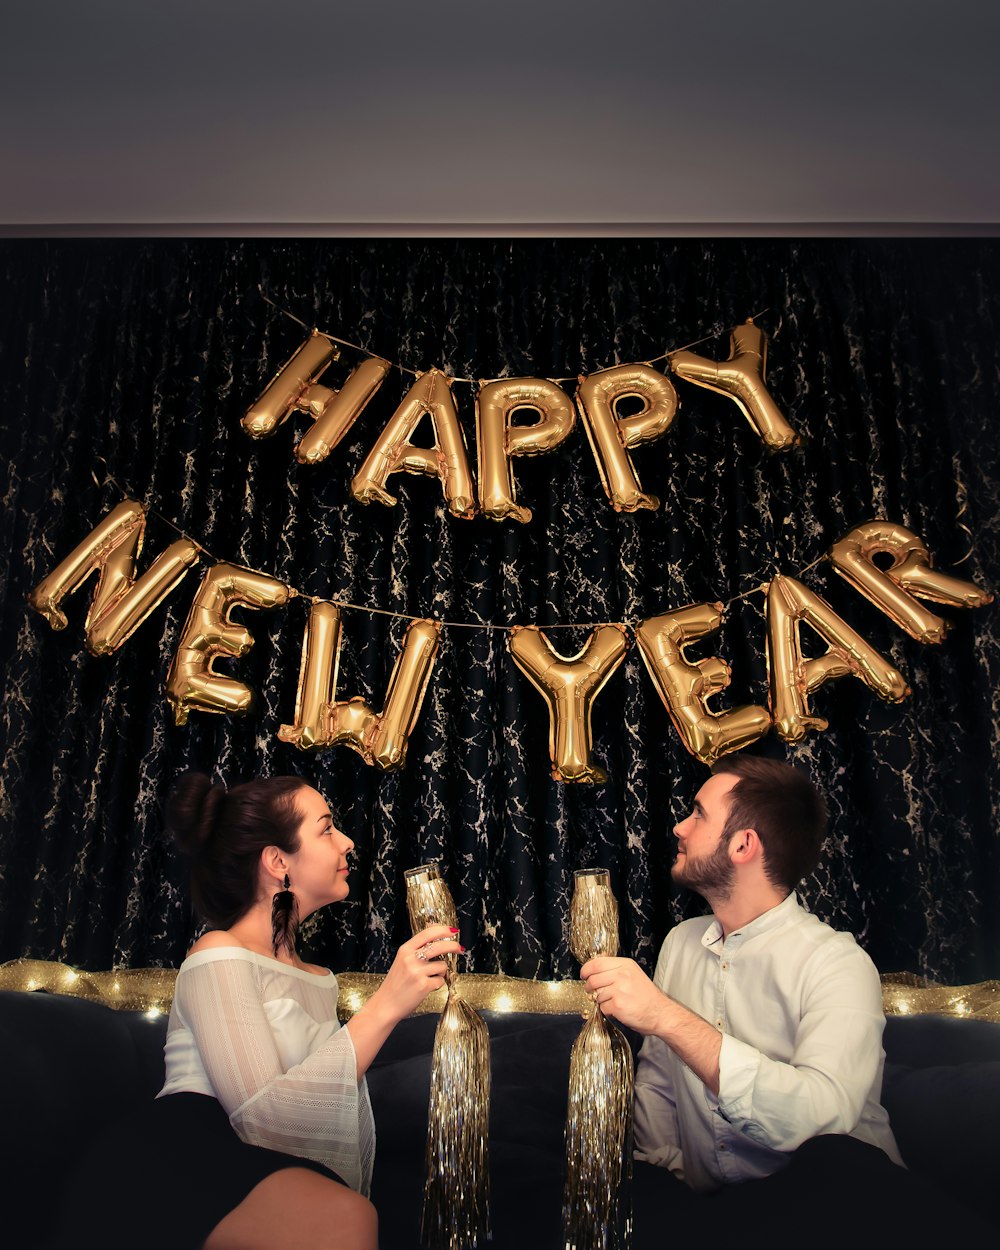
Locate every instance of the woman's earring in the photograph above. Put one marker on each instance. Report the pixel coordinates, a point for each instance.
(284, 919)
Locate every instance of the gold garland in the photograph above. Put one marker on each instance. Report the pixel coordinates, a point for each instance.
(152, 989)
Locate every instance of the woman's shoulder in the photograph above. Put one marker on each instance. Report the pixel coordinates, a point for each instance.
(221, 945)
(216, 939)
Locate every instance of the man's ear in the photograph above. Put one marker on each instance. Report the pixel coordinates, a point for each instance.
(745, 846)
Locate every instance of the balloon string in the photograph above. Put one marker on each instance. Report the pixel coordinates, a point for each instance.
(670, 351)
(487, 626)
(963, 507)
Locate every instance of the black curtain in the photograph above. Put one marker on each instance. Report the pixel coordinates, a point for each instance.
(126, 367)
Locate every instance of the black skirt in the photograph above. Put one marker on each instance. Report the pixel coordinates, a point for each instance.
(163, 1179)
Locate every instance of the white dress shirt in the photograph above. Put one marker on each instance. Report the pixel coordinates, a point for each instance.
(799, 1007)
(264, 1039)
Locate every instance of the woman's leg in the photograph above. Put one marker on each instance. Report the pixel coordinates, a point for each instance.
(297, 1209)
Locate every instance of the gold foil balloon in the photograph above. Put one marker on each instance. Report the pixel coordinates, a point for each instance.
(334, 412)
(456, 1210)
(794, 678)
(569, 685)
(611, 436)
(497, 440)
(209, 634)
(684, 685)
(293, 386)
(447, 459)
(321, 721)
(121, 602)
(601, 1084)
(741, 377)
(896, 589)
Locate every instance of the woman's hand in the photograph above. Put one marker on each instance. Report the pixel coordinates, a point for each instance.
(417, 970)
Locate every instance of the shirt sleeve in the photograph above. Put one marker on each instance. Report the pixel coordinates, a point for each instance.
(837, 1049)
(657, 1139)
(657, 1136)
(315, 1110)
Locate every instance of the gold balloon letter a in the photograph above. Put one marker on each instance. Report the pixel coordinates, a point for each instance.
(321, 722)
(120, 603)
(569, 685)
(429, 395)
(741, 377)
(684, 685)
(911, 570)
(294, 387)
(794, 678)
(209, 633)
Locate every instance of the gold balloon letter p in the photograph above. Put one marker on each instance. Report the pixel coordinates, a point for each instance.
(497, 440)
(569, 685)
(611, 436)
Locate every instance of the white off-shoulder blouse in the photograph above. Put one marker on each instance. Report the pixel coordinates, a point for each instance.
(264, 1039)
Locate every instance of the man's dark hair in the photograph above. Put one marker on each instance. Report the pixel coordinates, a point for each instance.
(781, 803)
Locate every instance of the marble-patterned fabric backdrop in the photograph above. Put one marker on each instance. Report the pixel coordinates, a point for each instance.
(135, 360)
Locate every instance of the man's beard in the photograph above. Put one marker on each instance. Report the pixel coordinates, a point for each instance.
(711, 876)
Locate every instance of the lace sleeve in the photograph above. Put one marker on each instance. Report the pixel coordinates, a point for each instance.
(316, 1109)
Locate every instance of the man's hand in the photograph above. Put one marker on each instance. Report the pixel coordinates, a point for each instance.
(625, 993)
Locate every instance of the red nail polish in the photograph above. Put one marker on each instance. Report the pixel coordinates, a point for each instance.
(461, 949)
(452, 930)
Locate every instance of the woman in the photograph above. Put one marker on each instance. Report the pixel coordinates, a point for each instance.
(254, 1044)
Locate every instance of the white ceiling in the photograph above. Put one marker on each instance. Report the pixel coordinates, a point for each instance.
(555, 114)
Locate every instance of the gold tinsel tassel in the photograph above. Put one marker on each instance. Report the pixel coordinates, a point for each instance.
(456, 1211)
(601, 1083)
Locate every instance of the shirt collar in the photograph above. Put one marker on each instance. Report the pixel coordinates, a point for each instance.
(773, 918)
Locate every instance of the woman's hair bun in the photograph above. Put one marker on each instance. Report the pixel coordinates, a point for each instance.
(192, 810)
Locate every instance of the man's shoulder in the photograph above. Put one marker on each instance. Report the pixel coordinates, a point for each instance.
(831, 946)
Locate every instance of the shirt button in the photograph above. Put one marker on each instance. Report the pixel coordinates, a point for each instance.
(725, 967)
(718, 1025)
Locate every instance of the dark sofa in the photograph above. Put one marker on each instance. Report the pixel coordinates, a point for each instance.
(71, 1066)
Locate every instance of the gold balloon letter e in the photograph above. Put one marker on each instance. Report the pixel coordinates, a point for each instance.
(685, 684)
(192, 683)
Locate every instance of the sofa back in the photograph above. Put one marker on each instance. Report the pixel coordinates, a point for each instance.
(72, 1066)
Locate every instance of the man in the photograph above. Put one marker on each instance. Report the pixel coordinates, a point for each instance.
(763, 1025)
